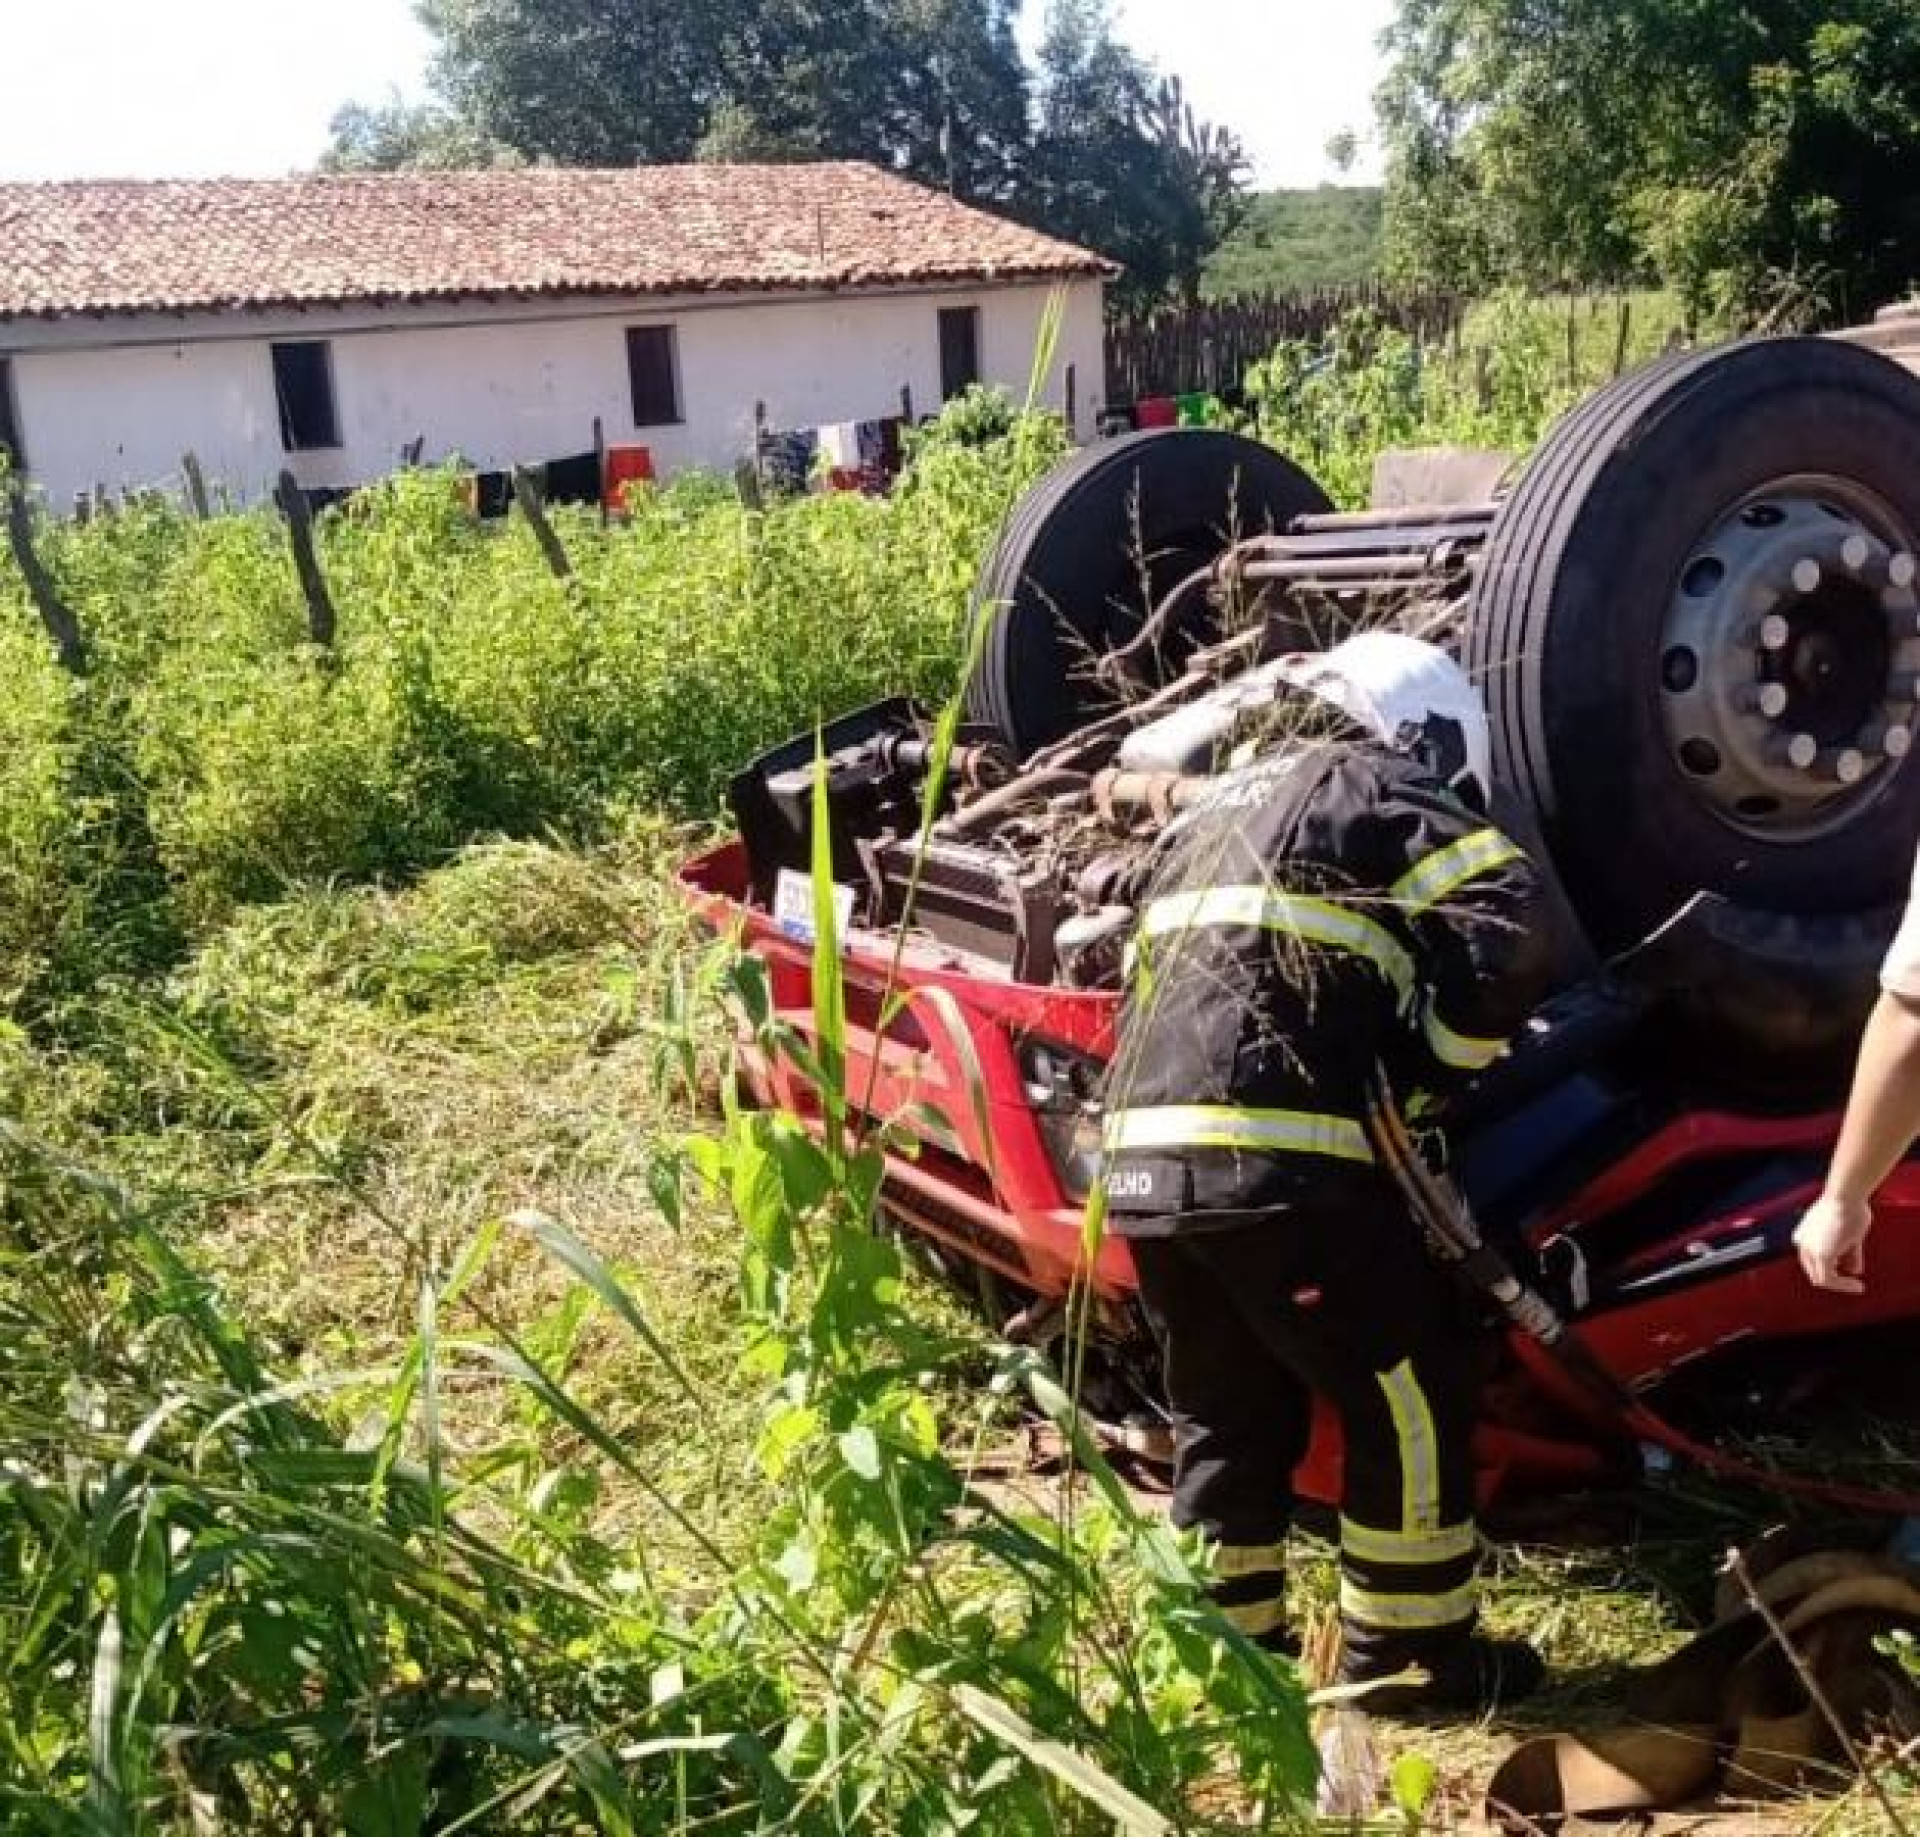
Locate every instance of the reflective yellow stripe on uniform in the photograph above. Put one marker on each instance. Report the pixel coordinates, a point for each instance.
(1448, 869)
(1312, 921)
(1368, 1544)
(1419, 1448)
(1408, 1613)
(1233, 1561)
(1255, 1617)
(1459, 1050)
(1176, 1126)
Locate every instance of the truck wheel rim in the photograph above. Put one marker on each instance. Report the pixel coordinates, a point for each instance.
(1790, 658)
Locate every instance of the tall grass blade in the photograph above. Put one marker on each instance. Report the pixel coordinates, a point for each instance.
(565, 1248)
(1131, 1814)
(829, 986)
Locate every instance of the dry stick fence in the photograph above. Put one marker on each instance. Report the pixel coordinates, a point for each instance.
(1209, 348)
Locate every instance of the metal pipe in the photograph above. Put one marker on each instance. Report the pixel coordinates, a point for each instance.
(1342, 568)
(1203, 667)
(1010, 796)
(1154, 791)
(1411, 515)
(1158, 620)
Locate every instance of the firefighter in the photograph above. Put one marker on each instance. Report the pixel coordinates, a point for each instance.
(1337, 906)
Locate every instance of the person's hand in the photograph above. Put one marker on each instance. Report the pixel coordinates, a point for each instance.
(1831, 1240)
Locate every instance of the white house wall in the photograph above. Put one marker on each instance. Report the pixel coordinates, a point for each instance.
(119, 402)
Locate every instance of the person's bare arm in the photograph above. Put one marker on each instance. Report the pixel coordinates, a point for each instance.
(1882, 1121)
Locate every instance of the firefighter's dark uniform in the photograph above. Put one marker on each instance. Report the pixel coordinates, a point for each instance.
(1328, 911)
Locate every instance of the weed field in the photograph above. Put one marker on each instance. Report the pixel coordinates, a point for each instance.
(422, 1411)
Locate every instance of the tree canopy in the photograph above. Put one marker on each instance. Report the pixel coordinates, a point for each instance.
(1091, 145)
(1751, 155)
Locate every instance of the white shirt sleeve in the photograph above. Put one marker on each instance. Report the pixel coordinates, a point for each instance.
(1900, 974)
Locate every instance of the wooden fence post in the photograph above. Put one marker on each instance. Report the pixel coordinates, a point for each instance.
(55, 614)
(321, 622)
(1623, 334)
(196, 485)
(526, 494)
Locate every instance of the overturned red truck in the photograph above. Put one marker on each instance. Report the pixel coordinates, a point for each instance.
(1695, 616)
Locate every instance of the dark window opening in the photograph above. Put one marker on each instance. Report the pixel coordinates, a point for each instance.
(654, 373)
(959, 349)
(10, 446)
(303, 387)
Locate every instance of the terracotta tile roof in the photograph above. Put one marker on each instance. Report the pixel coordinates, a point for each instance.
(125, 246)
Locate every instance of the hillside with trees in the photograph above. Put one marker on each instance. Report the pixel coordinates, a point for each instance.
(1326, 236)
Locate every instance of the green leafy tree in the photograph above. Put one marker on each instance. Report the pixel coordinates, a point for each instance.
(422, 136)
(1119, 161)
(1326, 237)
(1748, 155)
(935, 88)
(584, 83)
(1093, 145)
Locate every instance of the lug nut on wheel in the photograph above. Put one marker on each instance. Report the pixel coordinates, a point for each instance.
(1886, 739)
(1769, 699)
(1775, 632)
(1847, 766)
(1798, 753)
(1807, 574)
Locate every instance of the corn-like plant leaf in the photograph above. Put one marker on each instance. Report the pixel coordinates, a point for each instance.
(561, 1244)
(1132, 1814)
(829, 985)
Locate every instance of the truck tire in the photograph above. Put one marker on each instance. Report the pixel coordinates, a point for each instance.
(1697, 628)
(1091, 550)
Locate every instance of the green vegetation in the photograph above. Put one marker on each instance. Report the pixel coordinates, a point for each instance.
(1517, 365)
(1760, 159)
(1326, 237)
(417, 1417)
(214, 757)
(409, 1424)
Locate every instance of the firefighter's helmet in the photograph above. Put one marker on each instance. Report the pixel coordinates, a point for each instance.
(1412, 696)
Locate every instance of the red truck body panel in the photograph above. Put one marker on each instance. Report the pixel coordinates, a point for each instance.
(984, 1184)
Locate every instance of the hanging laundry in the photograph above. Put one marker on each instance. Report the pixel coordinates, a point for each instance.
(488, 494)
(840, 443)
(1156, 411)
(1110, 423)
(1198, 410)
(626, 465)
(786, 458)
(875, 470)
(572, 480)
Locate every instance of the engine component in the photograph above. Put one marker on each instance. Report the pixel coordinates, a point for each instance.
(1196, 738)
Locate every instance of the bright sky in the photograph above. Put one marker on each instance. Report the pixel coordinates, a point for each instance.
(142, 88)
